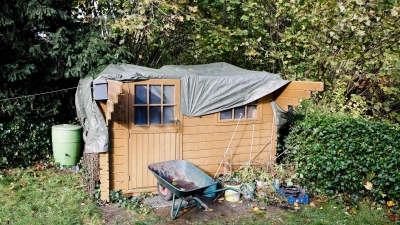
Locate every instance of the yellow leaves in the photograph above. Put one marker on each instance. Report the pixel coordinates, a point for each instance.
(390, 203)
(256, 209)
(368, 185)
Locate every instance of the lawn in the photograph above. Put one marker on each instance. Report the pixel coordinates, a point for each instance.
(55, 196)
(51, 196)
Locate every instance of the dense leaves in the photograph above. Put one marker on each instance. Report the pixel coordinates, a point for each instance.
(45, 49)
(24, 144)
(355, 158)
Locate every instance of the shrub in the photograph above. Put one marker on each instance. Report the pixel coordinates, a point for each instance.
(338, 155)
(25, 144)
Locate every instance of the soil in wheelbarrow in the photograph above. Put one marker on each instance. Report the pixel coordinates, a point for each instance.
(219, 212)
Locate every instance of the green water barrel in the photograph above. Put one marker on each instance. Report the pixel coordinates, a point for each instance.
(66, 143)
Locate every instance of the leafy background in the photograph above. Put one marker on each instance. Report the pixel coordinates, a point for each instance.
(351, 46)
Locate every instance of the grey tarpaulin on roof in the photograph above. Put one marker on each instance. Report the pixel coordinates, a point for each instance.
(205, 89)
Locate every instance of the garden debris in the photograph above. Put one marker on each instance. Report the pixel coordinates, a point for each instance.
(293, 190)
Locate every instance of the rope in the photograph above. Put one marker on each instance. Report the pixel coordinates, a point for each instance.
(44, 93)
(227, 149)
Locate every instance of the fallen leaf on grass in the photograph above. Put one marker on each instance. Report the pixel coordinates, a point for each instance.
(390, 203)
(354, 211)
(312, 204)
(209, 210)
(368, 185)
(256, 209)
(394, 217)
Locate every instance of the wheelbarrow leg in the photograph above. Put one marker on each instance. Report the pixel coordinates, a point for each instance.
(175, 211)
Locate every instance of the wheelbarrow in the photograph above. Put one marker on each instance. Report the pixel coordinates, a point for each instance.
(180, 178)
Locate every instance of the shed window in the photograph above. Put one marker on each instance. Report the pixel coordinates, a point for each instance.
(247, 112)
(154, 104)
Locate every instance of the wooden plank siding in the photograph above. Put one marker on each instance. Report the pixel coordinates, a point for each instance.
(294, 91)
(116, 164)
(146, 149)
(205, 139)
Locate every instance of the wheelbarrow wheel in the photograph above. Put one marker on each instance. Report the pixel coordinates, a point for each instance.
(164, 192)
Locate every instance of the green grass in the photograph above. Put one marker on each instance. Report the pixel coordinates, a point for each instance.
(45, 197)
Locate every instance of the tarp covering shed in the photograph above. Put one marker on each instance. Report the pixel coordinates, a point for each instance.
(205, 89)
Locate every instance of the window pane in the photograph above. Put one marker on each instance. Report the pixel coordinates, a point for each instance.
(168, 115)
(238, 111)
(140, 94)
(140, 115)
(251, 111)
(168, 94)
(226, 115)
(155, 115)
(155, 94)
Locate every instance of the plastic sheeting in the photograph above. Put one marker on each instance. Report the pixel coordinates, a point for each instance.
(281, 116)
(95, 133)
(205, 89)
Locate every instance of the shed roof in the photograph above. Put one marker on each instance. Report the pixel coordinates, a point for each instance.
(207, 88)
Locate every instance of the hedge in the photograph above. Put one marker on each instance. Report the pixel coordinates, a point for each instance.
(339, 155)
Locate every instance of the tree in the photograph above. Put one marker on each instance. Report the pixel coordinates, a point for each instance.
(351, 46)
(45, 48)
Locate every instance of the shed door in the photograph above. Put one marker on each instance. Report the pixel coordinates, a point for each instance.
(153, 128)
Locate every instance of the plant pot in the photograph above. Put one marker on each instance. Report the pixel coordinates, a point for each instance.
(232, 196)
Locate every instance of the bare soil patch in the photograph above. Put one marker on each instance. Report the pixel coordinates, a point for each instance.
(219, 212)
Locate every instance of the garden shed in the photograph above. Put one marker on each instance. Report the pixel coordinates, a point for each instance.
(214, 115)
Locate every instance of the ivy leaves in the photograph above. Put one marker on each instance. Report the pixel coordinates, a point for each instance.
(347, 156)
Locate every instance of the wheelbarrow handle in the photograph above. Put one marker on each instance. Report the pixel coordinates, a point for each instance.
(222, 189)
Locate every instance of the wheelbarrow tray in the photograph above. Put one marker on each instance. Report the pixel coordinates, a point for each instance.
(181, 177)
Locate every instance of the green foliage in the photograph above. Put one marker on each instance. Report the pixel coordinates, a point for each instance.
(337, 155)
(22, 145)
(136, 204)
(45, 48)
(351, 46)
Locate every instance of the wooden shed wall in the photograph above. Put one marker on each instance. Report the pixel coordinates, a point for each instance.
(205, 139)
(114, 164)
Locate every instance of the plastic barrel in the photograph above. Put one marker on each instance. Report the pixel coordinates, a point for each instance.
(66, 140)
